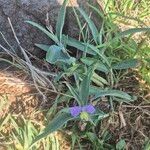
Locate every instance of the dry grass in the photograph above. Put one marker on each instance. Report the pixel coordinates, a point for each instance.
(131, 122)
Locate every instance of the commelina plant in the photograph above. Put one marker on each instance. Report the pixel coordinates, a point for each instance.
(93, 61)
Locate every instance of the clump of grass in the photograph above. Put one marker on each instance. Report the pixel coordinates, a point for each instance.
(18, 132)
(130, 14)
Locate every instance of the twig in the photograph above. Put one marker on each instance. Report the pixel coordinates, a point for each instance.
(38, 76)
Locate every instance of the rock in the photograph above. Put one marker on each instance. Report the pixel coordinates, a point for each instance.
(21, 10)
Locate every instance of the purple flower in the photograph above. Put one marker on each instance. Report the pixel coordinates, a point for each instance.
(76, 110)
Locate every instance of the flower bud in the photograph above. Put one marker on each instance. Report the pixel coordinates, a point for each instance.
(84, 116)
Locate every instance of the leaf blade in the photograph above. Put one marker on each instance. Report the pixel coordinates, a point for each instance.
(55, 54)
(126, 64)
(56, 123)
(43, 46)
(115, 93)
(132, 31)
(85, 85)
(77, 44)
(61, 20)
(74, 93)
(50, 35)
(91, 24)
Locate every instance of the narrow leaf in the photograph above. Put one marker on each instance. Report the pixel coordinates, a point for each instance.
(61, 20)
(100, 66)
(126, 64)
(50, 35)
(43, 46)
(74, 93)
(100, 79)
(77, 44)
(132, 31)
(54, 125)
(85, 85)
(91, 24)
(101, 14)
(116, 93)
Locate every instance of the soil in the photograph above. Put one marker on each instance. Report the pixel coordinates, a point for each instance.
(18, 93)
(132, 121)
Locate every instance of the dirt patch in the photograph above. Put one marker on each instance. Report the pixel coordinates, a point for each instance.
(18, 93)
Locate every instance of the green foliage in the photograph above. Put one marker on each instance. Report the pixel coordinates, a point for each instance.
(104, 54)
(54, 125)
(91, 24)
(121, 145)
(56, 54)
(17, 132)
(85, 86)
(143, 55)
(61, 20)
(116, 93)
(49, 34)
(93, 73)
(123, 12)
(131, 63)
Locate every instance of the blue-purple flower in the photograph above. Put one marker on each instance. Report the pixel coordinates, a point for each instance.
(82, 111)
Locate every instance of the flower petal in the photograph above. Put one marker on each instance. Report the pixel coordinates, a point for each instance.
(88, 108)
(75, 111)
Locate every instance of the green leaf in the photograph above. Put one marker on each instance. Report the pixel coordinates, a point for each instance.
(74, 93)
(90, 23)
(146, 144)
(77, 44)
(54, 125)
(85, 85)
(50, 35)
(101, 55)
(92, 137)
(126, 64)
(100, 66)
(132, 31)
(97, 82)
(85, 47)
(43, 46)
(101, 14)
(61, 20)
(121, 145)
(55, 54)
(116, 93)
(100, 79)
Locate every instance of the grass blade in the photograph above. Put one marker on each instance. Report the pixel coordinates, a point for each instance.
(101, 14)
(100, 66)
(100, 79)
